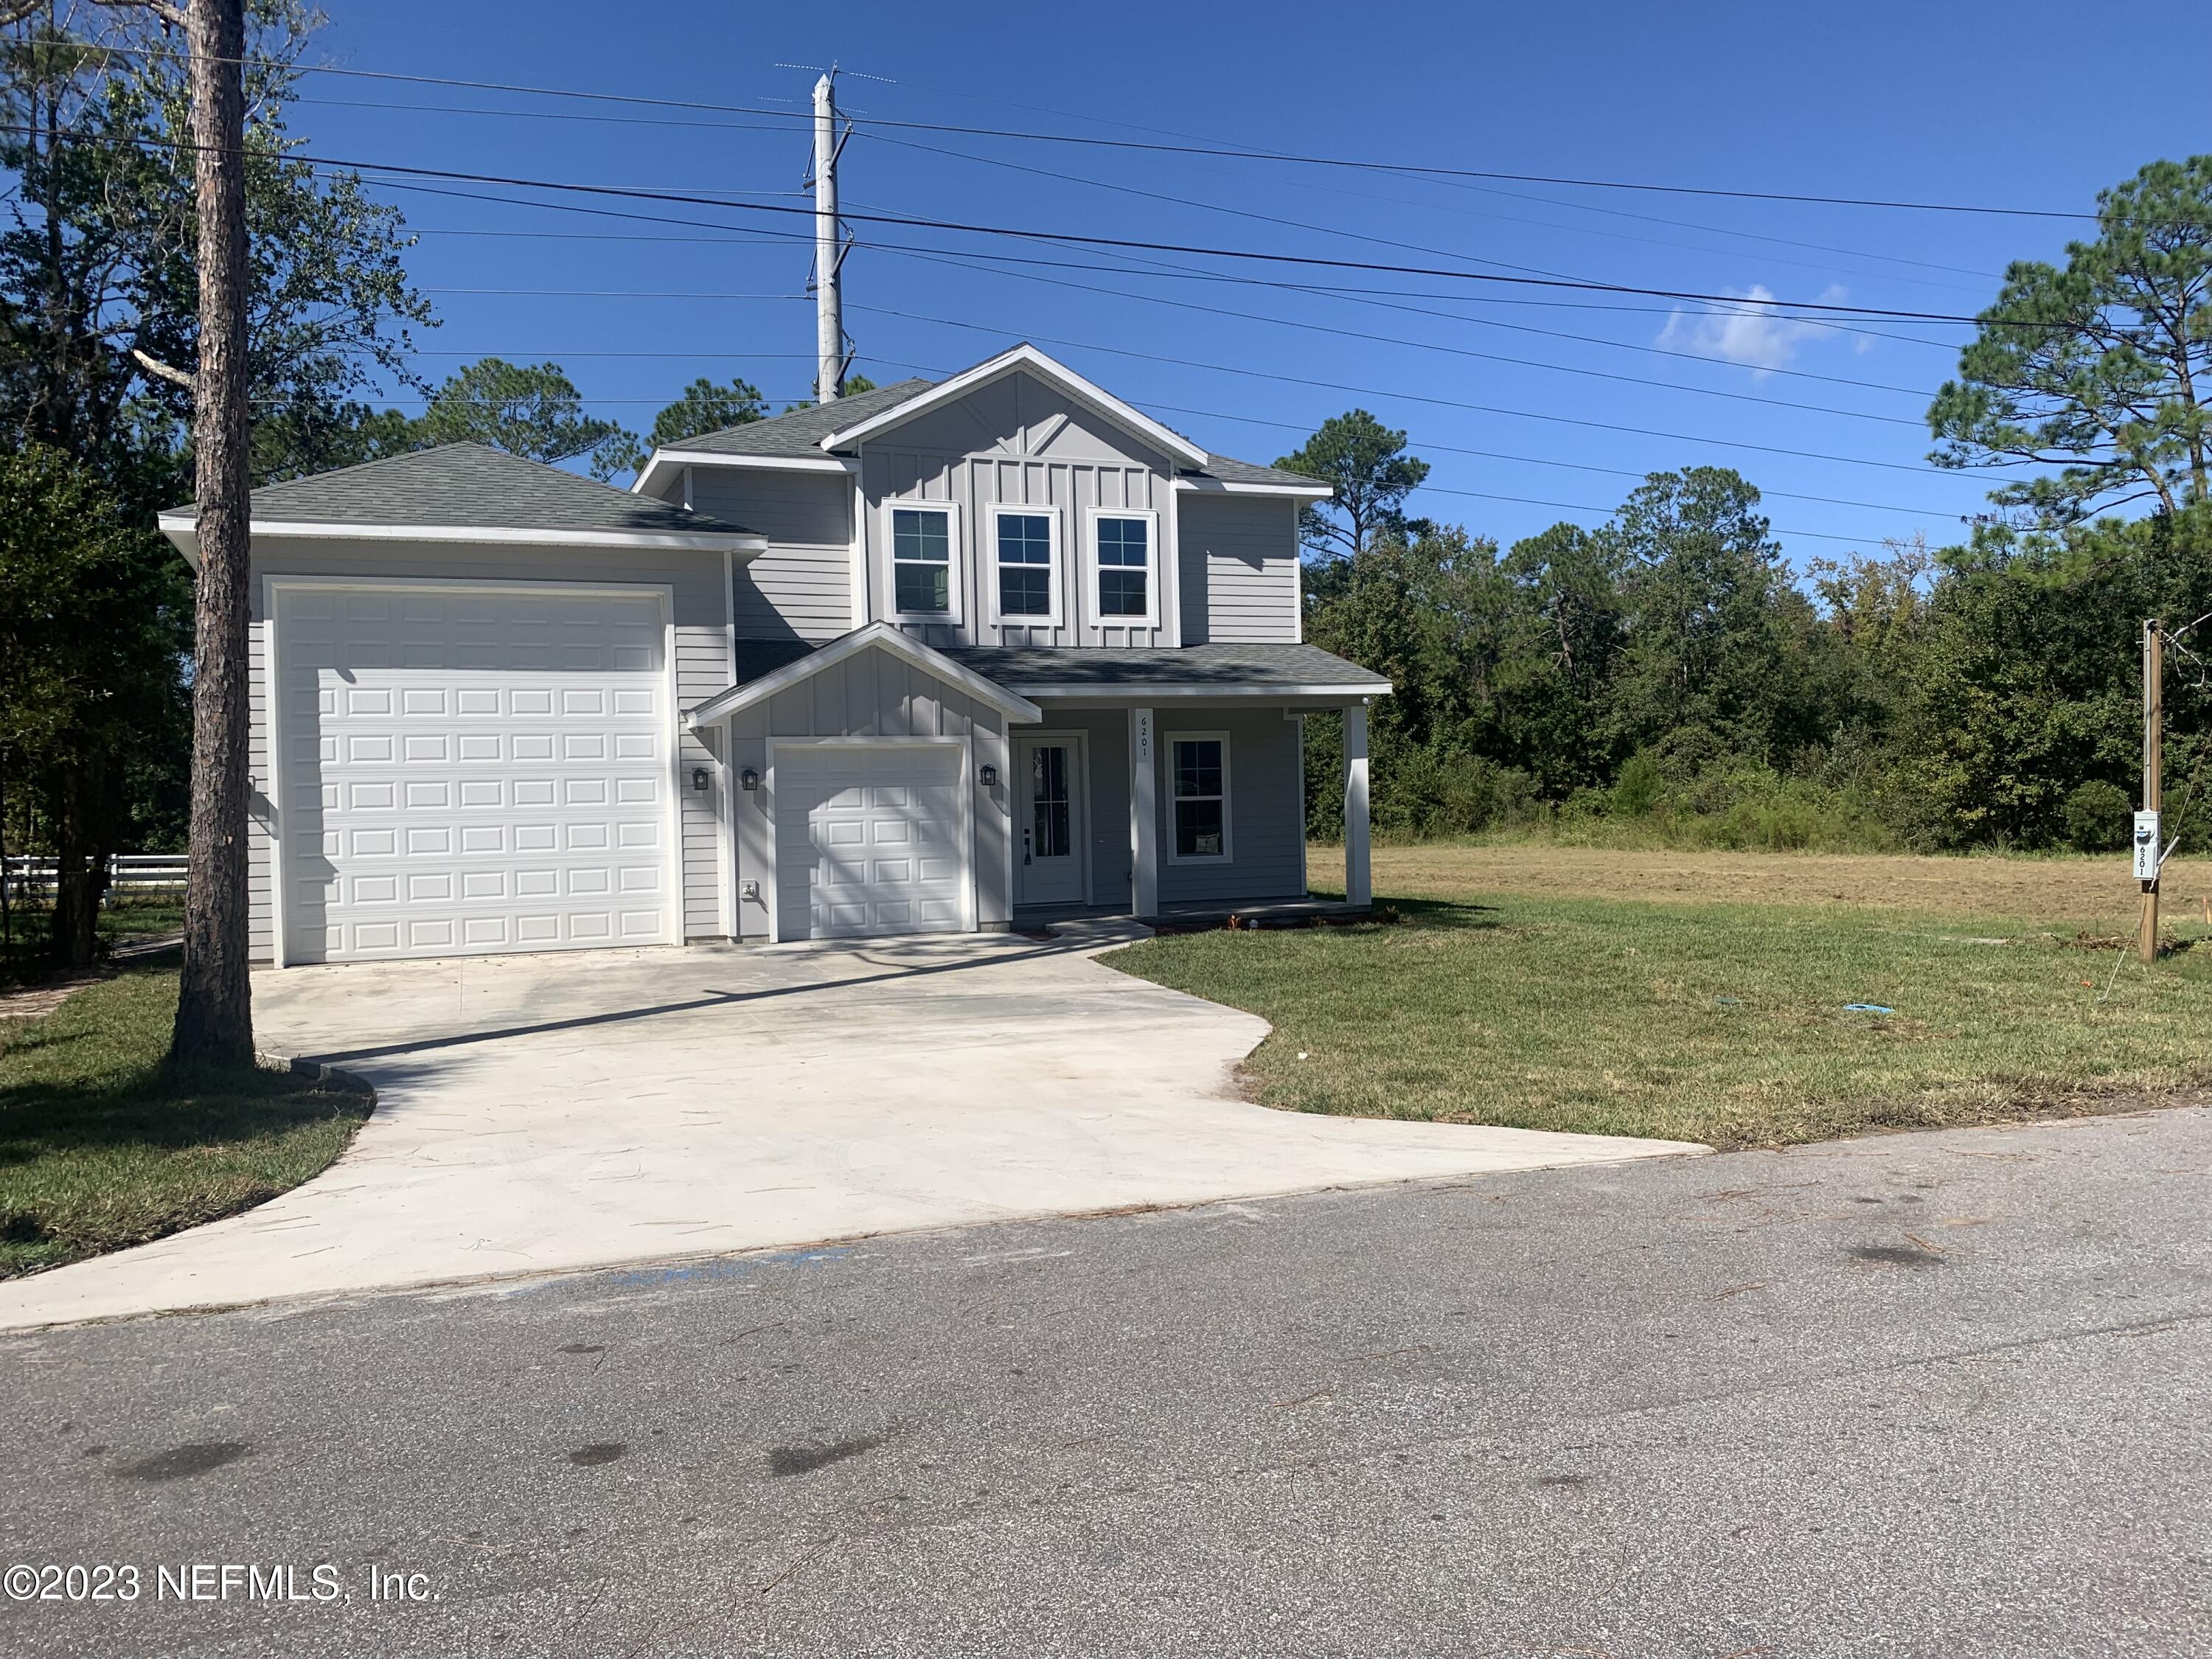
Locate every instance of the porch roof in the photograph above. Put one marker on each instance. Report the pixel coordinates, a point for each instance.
(1221, 670)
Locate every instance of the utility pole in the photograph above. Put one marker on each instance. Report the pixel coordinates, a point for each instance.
(214, 1014)
(828, 246)
(2154, 704)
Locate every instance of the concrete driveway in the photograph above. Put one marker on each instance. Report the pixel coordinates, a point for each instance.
(560, 1111)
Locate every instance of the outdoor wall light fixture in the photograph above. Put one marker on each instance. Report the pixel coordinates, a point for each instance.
(990, 776)
(699, 779)
(748, 779)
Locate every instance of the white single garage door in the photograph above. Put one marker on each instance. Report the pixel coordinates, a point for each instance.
(869, 839)
(468, 770)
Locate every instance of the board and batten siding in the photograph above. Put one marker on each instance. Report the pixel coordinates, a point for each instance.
(1017, 442)
(871, 694)
(703, 668)
(802, 586)
(1241, 552)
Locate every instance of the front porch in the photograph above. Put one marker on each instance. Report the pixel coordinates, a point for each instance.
(1187, 811)
(1193, 915)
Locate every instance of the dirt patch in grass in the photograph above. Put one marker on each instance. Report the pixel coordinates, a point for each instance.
(1726, 1024)
(2073, 893)
(104, 1145)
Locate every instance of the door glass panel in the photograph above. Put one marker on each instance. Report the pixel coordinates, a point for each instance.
(1050, 814)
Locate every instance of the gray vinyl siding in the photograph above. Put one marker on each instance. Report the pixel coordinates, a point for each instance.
(1247, 548)
(1190, 580)
(802, 586)
(1266, 807)
(1017, 441)
(872, 694)
(701, 614)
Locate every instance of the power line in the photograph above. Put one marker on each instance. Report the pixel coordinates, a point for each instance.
(1261, 316)
(1425, 447)
(1228, 152)
(1431, 207)
(1373, 391)
(1468, 351)
(1816, 308)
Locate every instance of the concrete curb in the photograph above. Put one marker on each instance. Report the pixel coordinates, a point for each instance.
(321, 1073)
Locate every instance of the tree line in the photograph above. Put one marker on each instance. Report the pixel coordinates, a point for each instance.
(1669, 673)
(99, 319)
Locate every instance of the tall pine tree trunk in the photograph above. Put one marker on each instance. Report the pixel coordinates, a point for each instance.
(215, 1014)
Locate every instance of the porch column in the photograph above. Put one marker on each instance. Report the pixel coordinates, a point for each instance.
(1144, 818)
(1359, 885)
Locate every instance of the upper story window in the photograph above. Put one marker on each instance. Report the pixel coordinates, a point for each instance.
(1026, 543)
(1198, 794)
(922, 540)
(1124, 569)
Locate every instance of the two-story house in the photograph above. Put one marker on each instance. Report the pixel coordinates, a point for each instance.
(932, 658)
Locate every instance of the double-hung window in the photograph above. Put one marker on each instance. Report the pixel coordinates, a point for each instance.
(1026, 545)
(1198, 794)
(1124, 569)
(922, 541)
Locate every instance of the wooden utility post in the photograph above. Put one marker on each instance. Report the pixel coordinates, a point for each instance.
(2153, 699)
(215, 1014)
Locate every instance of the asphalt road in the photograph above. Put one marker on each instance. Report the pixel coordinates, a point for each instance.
(1925, 1394)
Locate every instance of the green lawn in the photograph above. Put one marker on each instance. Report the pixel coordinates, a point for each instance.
(128, 918)
(102, 1145)
(1720, 1023)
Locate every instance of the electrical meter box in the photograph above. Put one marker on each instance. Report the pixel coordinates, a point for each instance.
(2147, 847)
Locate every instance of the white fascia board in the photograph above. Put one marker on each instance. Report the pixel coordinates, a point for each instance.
(1028, 357)
(1222, 486)
(664, 461)
(1140, 694)
(875, 635)
(183, 532)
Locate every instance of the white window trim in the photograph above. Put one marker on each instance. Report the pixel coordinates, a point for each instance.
(1154, 561)
(955, 569)
(1058, 610)
(1228, 853)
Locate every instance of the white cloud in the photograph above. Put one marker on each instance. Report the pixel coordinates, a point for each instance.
(1749, 330)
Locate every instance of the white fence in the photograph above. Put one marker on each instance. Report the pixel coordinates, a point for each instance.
(127, 872)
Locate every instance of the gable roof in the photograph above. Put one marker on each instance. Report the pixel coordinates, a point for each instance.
(798, 438)
(1022, 359)
(471, 492)
(877, 635)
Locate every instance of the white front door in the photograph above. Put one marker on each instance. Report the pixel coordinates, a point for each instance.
(472, 769)
(1048, 820)
(869, 839)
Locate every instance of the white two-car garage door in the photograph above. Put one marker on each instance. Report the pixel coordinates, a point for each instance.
(869, 839)
(472, 769)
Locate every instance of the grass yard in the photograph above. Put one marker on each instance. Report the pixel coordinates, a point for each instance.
(1506, 997)
(102, 1145)
(128, 918)
(2096, 894)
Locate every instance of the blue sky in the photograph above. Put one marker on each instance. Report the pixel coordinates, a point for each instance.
(1950, 103)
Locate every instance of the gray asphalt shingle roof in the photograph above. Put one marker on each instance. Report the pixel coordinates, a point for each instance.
(801, 433)
(802, 430)
(472, 486)
(1231, 471)
(1016, 667)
